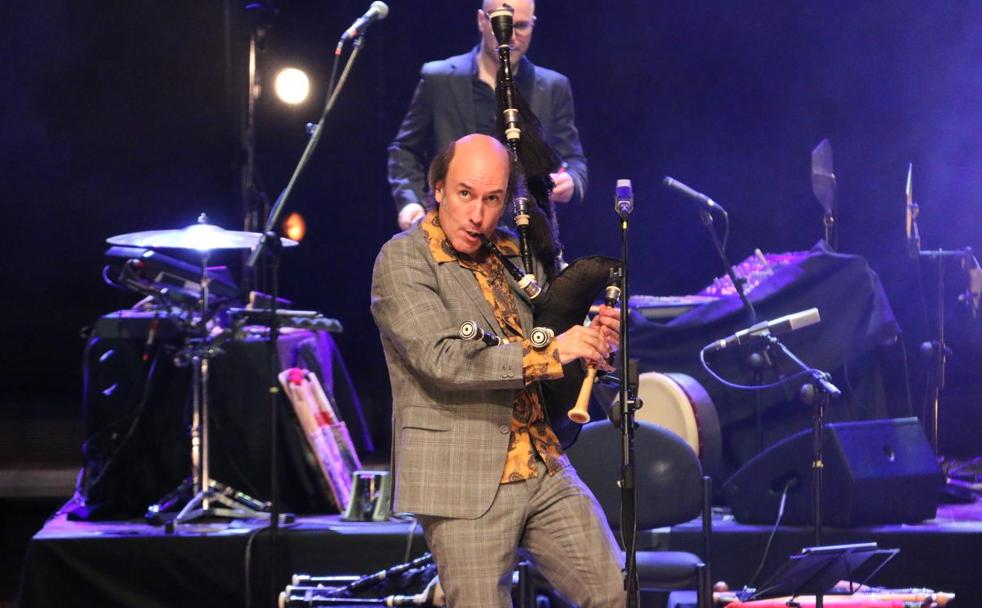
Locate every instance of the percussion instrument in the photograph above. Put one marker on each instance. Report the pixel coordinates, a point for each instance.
(201, 236)
(678, 402)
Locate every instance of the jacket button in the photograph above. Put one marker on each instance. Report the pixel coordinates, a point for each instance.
(504, 429)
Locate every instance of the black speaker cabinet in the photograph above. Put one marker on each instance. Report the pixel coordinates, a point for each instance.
(876, 472)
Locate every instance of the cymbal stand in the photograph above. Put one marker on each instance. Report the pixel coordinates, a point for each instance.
(211, 498)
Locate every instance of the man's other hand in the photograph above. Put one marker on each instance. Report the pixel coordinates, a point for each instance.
(563, 190)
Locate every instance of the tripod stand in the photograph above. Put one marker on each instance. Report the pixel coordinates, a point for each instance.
(209, 497)
(938, 349)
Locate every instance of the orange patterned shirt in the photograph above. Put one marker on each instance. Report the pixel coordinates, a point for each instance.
(531, 436)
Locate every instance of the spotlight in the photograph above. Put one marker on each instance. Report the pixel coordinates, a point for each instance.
(295, 227)
(291, 85)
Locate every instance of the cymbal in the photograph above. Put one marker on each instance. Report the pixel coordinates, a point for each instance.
(199, 237)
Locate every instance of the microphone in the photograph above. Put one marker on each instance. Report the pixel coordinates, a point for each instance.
(469, 330)
(377, 11)
(707, 203)
(765, 329)
(623, 198)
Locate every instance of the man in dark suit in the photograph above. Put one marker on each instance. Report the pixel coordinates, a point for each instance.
(473, 453)
(455, 96)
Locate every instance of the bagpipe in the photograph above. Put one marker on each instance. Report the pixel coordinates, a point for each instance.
(570, 291)
(306, 591)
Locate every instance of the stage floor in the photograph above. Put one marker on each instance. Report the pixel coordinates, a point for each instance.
(135, 564)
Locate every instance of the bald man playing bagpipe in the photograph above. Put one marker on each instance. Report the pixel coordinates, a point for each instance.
(474, 456)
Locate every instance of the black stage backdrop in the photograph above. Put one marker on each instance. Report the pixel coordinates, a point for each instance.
(123, 116)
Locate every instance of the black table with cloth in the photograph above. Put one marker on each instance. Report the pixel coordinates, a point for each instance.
(137, 416)
(856, 319)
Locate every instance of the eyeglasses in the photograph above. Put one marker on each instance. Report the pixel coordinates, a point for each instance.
(523, 28)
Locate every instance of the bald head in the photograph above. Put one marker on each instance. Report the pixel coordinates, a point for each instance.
(471, 183)
(484, 147)
(475, 146)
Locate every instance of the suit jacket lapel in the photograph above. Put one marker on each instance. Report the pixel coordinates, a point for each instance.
(463, 93)
(472, 291)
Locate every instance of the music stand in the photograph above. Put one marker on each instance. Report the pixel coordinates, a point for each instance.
(816, 570)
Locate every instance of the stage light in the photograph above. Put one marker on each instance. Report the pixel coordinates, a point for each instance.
(291, 85)
(295, 227)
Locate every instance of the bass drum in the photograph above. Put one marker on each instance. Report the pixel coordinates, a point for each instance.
(680, 404)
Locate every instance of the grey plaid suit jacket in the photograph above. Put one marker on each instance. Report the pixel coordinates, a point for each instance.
(451, 398)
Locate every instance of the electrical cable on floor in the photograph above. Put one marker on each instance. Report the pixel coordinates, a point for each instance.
(770, 539)
(247, 561)
(247, 565)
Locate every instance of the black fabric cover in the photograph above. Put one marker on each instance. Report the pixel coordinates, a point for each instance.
(128, 565)
(137, 415)
(856, 318)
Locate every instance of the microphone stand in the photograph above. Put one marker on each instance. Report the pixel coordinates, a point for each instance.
(739, 283)
(819, 393)
(255, 203)
(939, 362)
(628, 406)
(939, 347)
(269, 245)
(757, 361)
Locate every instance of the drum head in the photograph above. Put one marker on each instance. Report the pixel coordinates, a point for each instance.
(681, 405)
